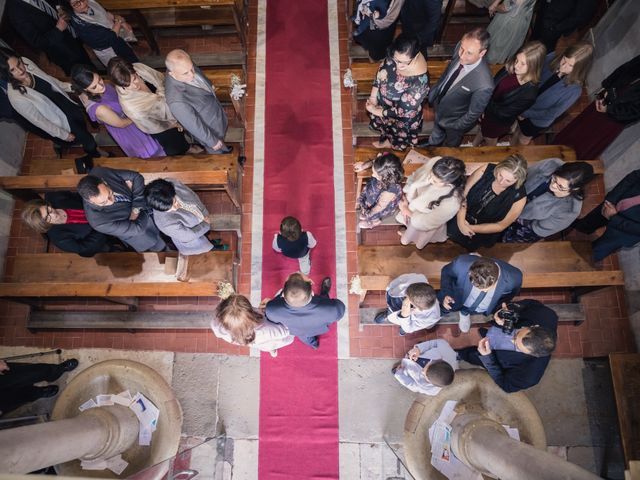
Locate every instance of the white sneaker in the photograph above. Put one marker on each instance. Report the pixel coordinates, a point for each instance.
(305, 263)
(465, 322)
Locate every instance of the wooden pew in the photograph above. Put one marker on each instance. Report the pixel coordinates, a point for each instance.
(114, 276)
(625, 373)
(567, 313)
(221, 80)
(148, 14)
(544, 264)
(365, 72)
(474, 157)
(201, 172)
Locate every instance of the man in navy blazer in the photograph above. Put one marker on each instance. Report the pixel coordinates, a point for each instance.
(517, 359)
(620, 213)
(462, 91)
(475, 284)
(304, 314)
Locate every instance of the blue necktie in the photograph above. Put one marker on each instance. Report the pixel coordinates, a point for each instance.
(477, 302)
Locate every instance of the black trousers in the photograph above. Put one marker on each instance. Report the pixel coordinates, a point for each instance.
(172, 141)
(16, 384)
(610, 241)
(78, 126)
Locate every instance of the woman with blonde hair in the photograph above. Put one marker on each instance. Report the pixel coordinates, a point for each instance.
(516, 89)
(495, 197)
(563, 77)
(237, 322)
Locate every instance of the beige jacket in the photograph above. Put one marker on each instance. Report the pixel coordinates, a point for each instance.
(149, 111)
(420, 193)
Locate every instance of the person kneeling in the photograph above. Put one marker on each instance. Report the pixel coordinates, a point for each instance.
(411, 304)
(428, 367)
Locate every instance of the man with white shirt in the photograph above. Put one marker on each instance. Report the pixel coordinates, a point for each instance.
(192, 101)
(462, 92)
(411, 304)
(474, 284)
(428, 367)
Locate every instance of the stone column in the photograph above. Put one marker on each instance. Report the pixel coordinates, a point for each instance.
(485, 445)
(96, 433)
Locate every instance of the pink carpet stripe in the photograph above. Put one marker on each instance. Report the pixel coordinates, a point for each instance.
(299, 389)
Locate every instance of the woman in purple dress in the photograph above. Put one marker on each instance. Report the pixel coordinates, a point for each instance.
(101, 102)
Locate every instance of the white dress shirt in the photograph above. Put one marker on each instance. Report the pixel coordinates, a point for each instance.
(410, 374)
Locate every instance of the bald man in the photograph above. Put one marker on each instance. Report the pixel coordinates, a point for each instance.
(192, 100)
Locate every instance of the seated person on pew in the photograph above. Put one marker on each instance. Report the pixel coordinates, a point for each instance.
(179, 214)
(474, 284)
(495, 196)
(619, 213)
(192, 100)
(60, 216)
(411, 303)
(114, 205)
(382, 193)
(555, 190)
(516, 350)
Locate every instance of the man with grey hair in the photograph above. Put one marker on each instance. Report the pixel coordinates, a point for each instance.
(192, 100)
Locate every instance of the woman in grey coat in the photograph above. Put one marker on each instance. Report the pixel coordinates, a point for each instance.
(179, 214)
(555, 190)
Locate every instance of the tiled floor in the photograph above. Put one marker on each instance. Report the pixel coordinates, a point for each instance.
(606, 329)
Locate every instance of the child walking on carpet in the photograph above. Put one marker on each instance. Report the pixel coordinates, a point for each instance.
(293, 242)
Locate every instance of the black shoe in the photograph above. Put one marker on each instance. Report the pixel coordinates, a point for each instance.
(381, 317)
(315, 343)
(424, 144)
(223, 151)
(48, 391)
(84, 164)
(69, 365)
(325, 287)
(402, 333)
(483, 331)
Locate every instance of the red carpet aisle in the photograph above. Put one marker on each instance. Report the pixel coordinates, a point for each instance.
(299, 389)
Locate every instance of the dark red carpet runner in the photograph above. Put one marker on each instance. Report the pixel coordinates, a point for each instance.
(299, 389)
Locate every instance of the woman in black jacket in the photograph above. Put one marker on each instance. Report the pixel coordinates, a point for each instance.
(60, 216)
(516, 89)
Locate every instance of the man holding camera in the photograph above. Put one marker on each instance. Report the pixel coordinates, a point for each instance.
(516, 350)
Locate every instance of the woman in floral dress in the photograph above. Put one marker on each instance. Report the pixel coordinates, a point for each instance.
(400, 87)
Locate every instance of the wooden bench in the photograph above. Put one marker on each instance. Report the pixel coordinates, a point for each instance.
(120, 320)
(201, 172)
(625, 373)
(474, 157)
(202, 60)
(147, 14)
(120, 277)
(567, 313)
(558, 264)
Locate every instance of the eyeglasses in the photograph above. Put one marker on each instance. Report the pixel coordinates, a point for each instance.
(76, 3)
(554, 181)
(47, 218)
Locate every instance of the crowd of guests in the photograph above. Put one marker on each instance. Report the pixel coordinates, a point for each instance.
(149, 114)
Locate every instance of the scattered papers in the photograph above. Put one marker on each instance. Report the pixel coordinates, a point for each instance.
(415, 157)
(87, 405)
(147, 414)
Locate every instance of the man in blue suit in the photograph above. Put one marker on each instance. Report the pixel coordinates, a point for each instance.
(516, 358)
(303, 313)
(474, 284)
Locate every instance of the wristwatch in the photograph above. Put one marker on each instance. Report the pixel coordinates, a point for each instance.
(135, 210)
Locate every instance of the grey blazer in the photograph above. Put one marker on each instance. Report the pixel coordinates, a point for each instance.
(198, 110)
(184, 228)
(140, 234)
(466, 100)
(547, 213)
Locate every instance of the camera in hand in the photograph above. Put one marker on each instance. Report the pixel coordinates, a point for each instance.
(510, 317)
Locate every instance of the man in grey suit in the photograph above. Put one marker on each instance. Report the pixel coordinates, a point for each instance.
(462, 92)
(114, 205)
(179, 214)
(192, 101)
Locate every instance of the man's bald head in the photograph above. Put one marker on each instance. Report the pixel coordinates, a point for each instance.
(179, 65)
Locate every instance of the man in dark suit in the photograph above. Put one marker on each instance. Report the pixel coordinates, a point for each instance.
(40, 25)
(557, 18)
(517, 359)
(192, 101)
(462, 92)
(474, 284)
(620, 213)
(114, 205)
(304, 314)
